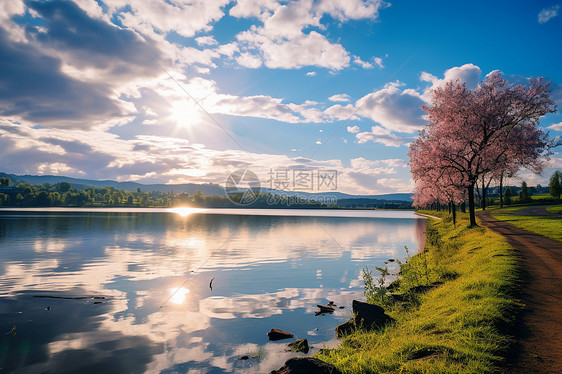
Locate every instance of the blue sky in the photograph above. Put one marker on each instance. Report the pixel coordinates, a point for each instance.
(190, 91)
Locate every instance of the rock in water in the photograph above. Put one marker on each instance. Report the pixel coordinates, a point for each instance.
(276, 334)
(306, 365)
(300, 345)
(325, 308)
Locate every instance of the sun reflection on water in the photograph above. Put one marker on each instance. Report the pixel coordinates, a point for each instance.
(178, 295)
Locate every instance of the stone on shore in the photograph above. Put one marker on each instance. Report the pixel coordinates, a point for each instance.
(306, 365)
(366, 316)
(300, 345)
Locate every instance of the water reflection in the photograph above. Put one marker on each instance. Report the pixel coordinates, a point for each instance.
(131, 292)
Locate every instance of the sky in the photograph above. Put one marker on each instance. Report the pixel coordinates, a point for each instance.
(179, 91)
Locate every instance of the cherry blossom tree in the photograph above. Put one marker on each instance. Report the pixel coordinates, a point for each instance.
(474, 133)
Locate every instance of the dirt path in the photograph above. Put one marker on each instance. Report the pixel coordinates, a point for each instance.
(539, 333)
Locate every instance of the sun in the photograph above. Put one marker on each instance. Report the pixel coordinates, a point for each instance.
(185, 113)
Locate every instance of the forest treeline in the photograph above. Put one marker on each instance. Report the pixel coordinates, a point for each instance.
(64, 195)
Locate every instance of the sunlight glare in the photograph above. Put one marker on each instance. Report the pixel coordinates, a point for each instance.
(185, 211)
(178, 295)
(185, 113)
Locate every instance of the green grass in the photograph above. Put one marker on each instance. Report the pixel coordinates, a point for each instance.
(458, 326)
(542, 196)
(543, 225)
(555, 209)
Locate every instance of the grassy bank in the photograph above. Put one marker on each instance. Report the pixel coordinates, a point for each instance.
(548, 226)
(457, 326)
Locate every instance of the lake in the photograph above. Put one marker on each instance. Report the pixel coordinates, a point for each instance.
(185, 290)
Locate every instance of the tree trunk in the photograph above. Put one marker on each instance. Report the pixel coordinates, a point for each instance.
(471, 205)
(483, 194)
(501, 191)
(454, 209)
(450, 207)
(463, 207)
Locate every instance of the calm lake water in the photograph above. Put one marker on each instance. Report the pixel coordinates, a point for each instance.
(128, 290)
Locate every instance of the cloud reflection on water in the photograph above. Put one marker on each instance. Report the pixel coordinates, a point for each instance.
(272, 273)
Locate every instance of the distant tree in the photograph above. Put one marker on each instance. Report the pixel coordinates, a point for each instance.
(5, 182)
(3, 199)
(555, 185)
(524, 193)
(55, 198)
(62, 187)
(130, 200)
(43, 199)
(508, 194)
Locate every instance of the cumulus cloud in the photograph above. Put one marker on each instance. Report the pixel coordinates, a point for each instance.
(353, 129)
(311, 49)
(33, 88)
(393, 108)
(364, 64)
(252, 8)
(285, 40)
(467, 73)
(248, 60)
(311, 73)
(339, 97)
(381, 135)
(206, 40)
(184, 18)
(547, 14)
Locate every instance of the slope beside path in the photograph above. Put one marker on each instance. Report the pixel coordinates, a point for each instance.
(539, 332)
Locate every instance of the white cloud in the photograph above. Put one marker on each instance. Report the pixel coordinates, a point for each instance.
(362, 163)
(311, 49)
(282, 41)
(311, 74)
(381, 135)
(184, 18)
(252, 8)
(228, 49)
(365, 65)
(378, 61)
(351, 9)
(202, 70)
(339, 97)
(353, 129)
(547, 14)
(393, 108)
(156, 159)
(248, 60)
(467, 73)
(206, 40)
(556, 126)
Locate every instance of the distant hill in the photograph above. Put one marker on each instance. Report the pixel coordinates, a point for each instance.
(206, 189)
